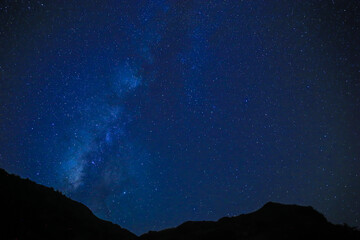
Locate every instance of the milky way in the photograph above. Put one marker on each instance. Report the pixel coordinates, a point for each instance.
(153, 113)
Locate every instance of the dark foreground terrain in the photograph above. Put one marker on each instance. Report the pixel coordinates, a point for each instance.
(272, 221)
(32, 211)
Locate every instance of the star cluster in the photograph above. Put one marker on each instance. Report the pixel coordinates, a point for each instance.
(153, 113)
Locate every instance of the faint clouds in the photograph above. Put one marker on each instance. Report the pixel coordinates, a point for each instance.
(126, 80)
(74, 173)
(73, 169)
(108, 137)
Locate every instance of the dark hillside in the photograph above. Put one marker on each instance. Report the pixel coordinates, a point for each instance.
(272, 221)
(32, 211)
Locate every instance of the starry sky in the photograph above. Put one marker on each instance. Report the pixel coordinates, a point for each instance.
(153, 113)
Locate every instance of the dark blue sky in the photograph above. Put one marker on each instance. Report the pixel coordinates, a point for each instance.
(156, 112)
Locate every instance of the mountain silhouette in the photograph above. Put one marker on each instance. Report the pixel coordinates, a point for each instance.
(272, 221)
(32, 211)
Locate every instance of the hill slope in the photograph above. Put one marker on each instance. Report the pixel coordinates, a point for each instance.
(32, 211)
(272, 221)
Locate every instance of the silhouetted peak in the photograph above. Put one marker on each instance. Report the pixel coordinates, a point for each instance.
(272, 221)
(32, 211)
(272, 211)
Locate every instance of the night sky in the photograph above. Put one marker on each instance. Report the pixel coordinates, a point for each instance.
(153, 113)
